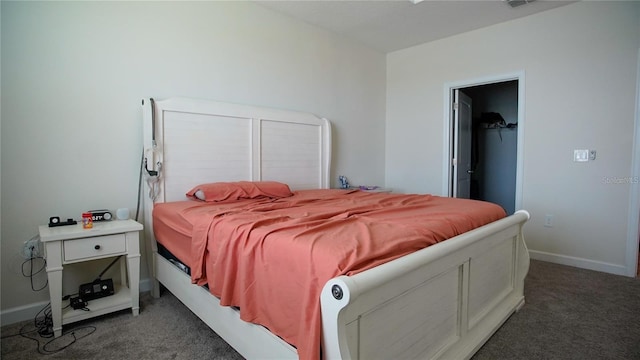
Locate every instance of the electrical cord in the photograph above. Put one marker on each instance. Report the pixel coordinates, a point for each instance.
(58, 344)
(153, 176)
(139, 185)
(31, 272)
(43, 326)
(43, 322)
(46, 350)
(153, 182)
(143, 169)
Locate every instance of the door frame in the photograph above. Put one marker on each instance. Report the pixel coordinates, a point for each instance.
(449, 88)
(455, 145)
(633, 227)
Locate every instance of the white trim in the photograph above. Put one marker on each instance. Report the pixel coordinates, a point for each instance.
(446, 136)
(578, 262)
(21, 313)
(448, 115)
(633, 224)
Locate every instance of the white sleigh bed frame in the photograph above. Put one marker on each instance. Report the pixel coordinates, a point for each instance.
(443, 302)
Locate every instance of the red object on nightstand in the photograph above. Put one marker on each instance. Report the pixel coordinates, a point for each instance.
(87, 220)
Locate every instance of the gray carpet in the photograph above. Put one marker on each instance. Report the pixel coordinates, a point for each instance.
(569, 313)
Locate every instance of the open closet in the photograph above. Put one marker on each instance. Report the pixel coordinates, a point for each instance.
(494, 142)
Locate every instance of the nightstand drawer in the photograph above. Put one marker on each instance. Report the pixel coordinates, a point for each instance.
(94, 247)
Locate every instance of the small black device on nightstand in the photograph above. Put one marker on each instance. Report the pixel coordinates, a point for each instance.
(95, 290)
(55, 221)
(77, 303)
(98, 288)
(101, 215)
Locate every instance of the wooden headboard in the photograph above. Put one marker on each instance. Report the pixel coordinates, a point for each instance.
(200, 141)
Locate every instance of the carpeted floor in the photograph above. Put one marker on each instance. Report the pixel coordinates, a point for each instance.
(165, 329)
(569, 313)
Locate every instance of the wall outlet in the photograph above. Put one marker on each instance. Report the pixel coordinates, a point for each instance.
(548, 220)
(31, 248)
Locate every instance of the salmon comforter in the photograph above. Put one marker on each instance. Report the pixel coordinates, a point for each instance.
(271, 257)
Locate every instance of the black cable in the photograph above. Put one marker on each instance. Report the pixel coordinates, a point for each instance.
(107, 268)
(31, 273)
(152, 172)
(140, 185)
(44, 325)
(153, 121)
(44, 328)
(70, 336)
(72, 333)
(68, 297)
(43, 322)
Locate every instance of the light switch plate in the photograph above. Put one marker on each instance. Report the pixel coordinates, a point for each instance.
(580, 155)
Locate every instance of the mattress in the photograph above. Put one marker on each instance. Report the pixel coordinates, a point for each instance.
(173, 223)
(271, 257)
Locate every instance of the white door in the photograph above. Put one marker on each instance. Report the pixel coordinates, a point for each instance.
(462, 128)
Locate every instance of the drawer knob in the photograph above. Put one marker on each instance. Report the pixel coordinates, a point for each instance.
(97, 247)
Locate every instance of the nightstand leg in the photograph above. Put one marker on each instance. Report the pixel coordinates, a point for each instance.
(133, 264)
(55, 293)
(53, 255)
(133, 268)
(123, 273)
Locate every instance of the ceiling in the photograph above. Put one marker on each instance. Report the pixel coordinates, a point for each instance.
(389, 25)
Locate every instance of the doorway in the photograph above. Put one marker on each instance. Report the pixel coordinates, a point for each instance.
(484, 127)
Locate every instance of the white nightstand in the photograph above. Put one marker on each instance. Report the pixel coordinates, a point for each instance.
(71, 244)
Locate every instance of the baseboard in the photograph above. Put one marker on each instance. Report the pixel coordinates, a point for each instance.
(579, 262)
(29, 311)
(21, 313)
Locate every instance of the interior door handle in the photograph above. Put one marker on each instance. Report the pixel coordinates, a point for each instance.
(469, 171)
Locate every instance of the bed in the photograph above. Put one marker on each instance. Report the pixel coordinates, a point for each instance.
(440, 301)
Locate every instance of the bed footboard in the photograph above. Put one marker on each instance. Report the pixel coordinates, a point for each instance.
(444, 301)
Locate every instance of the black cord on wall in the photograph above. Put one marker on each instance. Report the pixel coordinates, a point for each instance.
(34, 270)
(42, 322)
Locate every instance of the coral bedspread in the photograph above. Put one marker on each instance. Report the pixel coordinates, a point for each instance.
(271, 257)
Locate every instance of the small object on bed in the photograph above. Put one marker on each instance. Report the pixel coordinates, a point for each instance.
(344, 182)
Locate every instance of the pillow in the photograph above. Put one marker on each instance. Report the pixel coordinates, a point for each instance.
(221, 191)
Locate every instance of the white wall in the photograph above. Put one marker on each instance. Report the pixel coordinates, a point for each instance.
(74, 73)
(580, 64)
